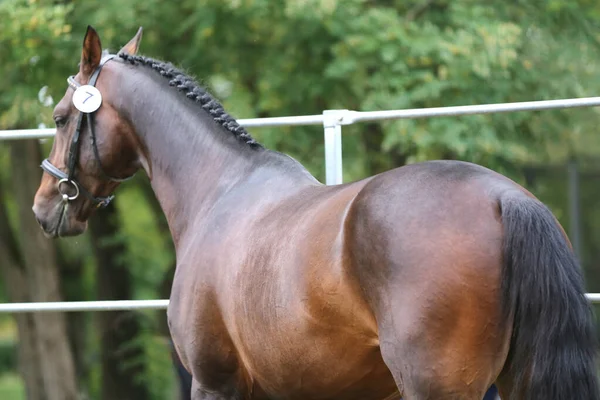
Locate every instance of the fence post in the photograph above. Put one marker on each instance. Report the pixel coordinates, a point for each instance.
(332, 123)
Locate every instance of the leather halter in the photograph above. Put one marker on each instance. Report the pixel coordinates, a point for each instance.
(68, 179)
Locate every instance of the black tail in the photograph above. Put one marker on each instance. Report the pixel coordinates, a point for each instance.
(553, 346)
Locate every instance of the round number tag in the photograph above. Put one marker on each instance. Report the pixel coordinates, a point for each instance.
(87, 99)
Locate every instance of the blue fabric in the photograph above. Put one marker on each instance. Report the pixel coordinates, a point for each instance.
(492, 393)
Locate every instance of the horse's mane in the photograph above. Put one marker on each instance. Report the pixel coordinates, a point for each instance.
(195, 92)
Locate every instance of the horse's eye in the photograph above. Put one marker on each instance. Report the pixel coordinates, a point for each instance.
(60, 121)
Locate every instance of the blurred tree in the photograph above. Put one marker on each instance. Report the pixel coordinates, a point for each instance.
(28, 34)
(71, 274)
(319, 54)
(15, 281)
(117, 330)
(41, 272)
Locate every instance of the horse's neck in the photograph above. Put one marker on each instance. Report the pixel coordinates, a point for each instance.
(189, 169)
(193, 163)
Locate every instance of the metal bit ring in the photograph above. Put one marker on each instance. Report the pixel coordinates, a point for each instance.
(66, 196)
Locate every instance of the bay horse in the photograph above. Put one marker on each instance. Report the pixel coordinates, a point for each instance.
(429, 281)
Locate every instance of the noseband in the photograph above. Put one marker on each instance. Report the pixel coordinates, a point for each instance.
(65, 180)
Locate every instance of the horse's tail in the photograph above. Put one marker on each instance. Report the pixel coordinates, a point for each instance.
(553, 344)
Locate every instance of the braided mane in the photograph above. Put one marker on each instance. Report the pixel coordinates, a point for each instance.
(196, 93)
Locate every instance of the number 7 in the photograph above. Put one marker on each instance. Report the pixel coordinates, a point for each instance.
(89, 97)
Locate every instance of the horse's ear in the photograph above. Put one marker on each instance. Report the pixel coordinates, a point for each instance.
(91, 53)
(131, 48)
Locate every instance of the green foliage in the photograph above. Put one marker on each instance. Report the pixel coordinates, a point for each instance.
(314, 55)
(8, 356)
(10, 384)
(11, 387)
(160, 376)
(32, 35)
(149, 255)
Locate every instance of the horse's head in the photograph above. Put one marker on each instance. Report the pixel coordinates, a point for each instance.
(95, 147)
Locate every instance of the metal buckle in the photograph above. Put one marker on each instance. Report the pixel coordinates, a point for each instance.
(65, 196)
(105, 202)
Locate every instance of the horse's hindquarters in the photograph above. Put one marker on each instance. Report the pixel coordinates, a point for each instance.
(429, 257)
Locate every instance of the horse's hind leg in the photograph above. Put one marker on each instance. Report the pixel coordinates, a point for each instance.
(442, 345)
(425, 371)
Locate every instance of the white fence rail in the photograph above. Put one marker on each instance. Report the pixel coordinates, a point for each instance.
(73, 306)
(332, 122)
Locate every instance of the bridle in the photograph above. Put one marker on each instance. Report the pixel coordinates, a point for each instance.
(68, 179)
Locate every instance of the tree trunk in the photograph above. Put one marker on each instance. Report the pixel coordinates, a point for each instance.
(48, 330)
(13, 275)
(117, 328)
(71, 279)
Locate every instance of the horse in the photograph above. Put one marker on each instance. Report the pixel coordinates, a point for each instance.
(433, 280)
